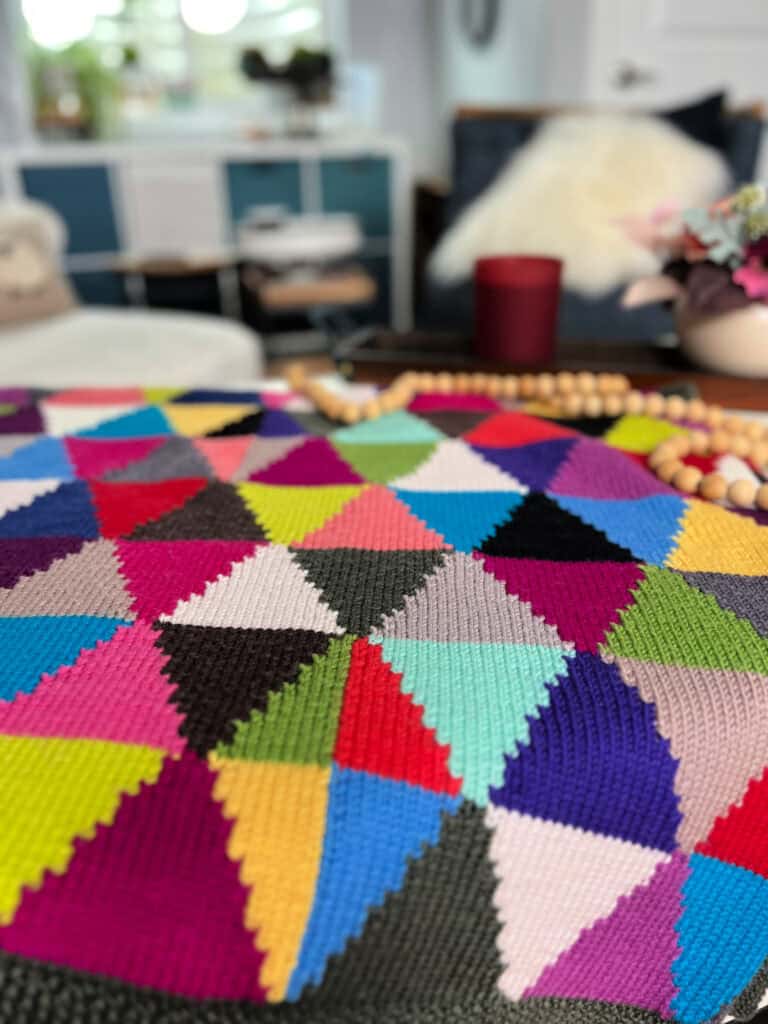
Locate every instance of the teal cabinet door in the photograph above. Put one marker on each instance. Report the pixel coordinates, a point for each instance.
(82, 196)
(99, 287)
(262, 184)
(360, 186)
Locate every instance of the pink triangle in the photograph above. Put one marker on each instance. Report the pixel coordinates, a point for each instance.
(627, 957)
(375, 520)
(224, 454)
(595, 470)
(162, 573)
(153, 899)
(93, 458)
(115, 691)
(582, 599)
(314, 463)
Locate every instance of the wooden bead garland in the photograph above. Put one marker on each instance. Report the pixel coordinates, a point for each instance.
(591, 395)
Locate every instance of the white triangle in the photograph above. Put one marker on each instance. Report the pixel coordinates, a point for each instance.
(554, 881)
(61, 419)
(453, 466)
(9, 443)
(461, 602)
(269, 590)
(20, 493)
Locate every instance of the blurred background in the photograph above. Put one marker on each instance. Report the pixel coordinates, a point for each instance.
(290, 165)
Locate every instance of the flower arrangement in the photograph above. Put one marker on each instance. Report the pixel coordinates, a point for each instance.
(716, 259)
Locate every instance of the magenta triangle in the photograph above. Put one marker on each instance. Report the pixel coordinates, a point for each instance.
(316, 462)
(153, 900)
(593, 469)
(626, 958)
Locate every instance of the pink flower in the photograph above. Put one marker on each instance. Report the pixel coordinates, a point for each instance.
(753, 276)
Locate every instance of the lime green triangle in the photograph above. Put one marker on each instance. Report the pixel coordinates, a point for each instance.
(299, 725)
(640, 434)
(675, 624)
(288, 514)
(381, 463)
(156, 396)
(6, 409)
(53, 791)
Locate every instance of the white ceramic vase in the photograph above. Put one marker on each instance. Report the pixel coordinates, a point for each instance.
(735, 343)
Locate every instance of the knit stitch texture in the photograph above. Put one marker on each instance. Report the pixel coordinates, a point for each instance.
(457, 715)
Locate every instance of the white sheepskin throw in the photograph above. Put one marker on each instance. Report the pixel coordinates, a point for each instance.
(567, 191)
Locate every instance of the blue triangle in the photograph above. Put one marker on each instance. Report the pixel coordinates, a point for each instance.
(276, 423)
(45, 457)
(30, 647)
(722, 934)
(213, 395)
(647, 526)
(65, 512)
(532, 464)
(372, 826)
(595, 760)
(146, 422)
(464, 518)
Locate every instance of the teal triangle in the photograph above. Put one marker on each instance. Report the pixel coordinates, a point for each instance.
(394, 428)
(478, 697)
(373, 826)
(45, 457)
(464, 518)
(30, 647)
(722, 935)
(146, 422)
(646, 526)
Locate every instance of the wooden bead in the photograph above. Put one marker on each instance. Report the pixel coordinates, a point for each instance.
(754, 430)
(545, 385)
(527, 385)
(494, 387)
(444, 383)
(697, 411)
(713, 486)
(566, 382)
(699, 442)
(714, 416)
(675, 407)
(741, 446)
(510, 387)
(761, 498)
(593, 405)
(426, 382)
(634, 402)
(573, 404)
(372, 409)
(586, 382)
(351, 412)
(654, 404)
(742, 493)
(389, 401)
(621, 383)
(667, 470)
(296, 376)
(720, 442)
(735, 424)
(759, 455)
(605, 384)
(613, 405)
(659, 455)
(478, 383)
(680, 444)
(687, 479)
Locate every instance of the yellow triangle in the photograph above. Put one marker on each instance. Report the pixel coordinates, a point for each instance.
(712, 539)
(279, 844)
(53, 791)
(288, 514)
(193, 420)
(640, 434)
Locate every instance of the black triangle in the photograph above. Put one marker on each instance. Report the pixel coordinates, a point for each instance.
(215, 513)
(249, 424)
(593, 426)
(435, 939)
(453, 422)
(221, 674)
(362, 585)
(539, 528)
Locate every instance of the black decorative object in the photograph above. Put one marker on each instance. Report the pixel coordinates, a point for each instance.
(479, 19)
(308, 72)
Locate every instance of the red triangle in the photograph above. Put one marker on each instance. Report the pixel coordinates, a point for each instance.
(115, 691)
(223, 454)
(381, 730)
(375, 520)
(154, 899)
(121, 507)
(508, 429)
(160, 573)
(740, 836)
(92, 459)
(581, 599)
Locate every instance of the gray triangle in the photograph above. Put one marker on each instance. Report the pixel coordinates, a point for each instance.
(263, 451)
(176, 458)
(747, 596)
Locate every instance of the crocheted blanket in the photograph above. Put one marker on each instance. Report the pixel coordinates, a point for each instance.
(457, 715)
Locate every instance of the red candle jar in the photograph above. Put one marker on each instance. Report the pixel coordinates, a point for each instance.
(516, 304)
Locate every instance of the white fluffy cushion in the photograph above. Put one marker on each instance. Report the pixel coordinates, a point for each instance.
(567, 191)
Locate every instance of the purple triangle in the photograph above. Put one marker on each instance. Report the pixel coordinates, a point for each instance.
(153, 899)
(316, 462)
(26, 420)
(23, 556)
(626, 958)
(15, 396)
(276, 423)
(595, 470)
(531, 464)
(595, 760)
